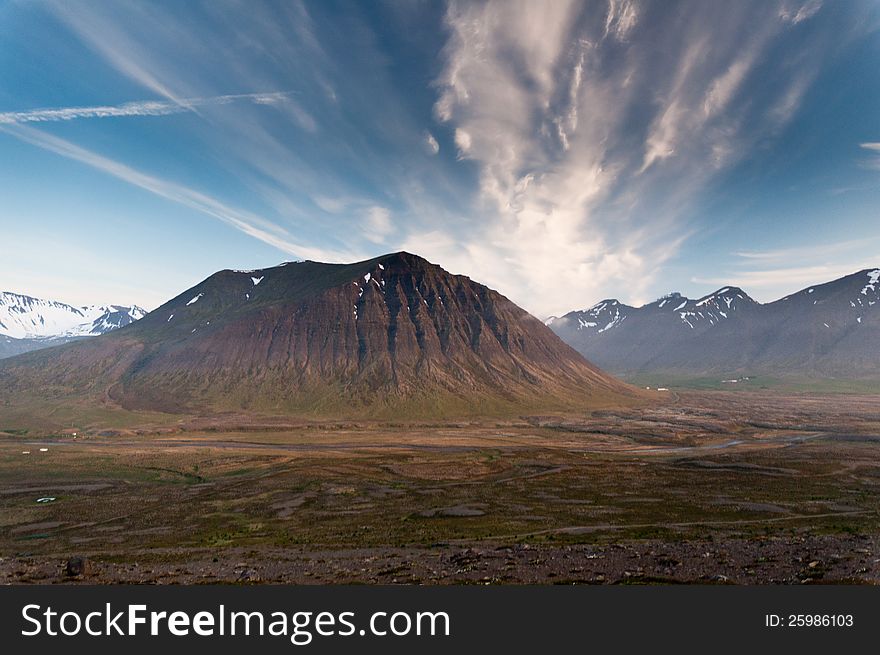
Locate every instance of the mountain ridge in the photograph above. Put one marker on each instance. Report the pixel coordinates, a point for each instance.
(825, 330)
(392, 333)
(29, 323)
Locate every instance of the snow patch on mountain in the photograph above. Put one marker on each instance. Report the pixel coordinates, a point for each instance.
(873, 279)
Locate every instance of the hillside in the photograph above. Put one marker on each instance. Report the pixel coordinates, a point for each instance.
(395, 335)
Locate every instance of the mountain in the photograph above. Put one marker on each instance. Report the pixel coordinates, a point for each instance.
(28, 323)
(394, 334)
(825, 331)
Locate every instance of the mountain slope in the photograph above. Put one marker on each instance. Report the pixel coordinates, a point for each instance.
(828, 330)
(395, 333)
(28, 323)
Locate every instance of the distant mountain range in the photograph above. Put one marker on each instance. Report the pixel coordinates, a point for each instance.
(28, 323)
(825, 331)
(394, 335)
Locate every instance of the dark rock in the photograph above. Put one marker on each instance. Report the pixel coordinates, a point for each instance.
(77, 566)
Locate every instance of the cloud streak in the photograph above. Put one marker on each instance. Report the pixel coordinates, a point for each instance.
(137, 108)
(345, 142)
(792, 278)
(769, 271)
(797, 13)
(874, 149)
(244, 221)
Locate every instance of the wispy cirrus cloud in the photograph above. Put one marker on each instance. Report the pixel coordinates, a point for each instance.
(783, 270)
(759, 282)
(344, 96)
(242, 220)
(137, 108)
(592, 146)
(786, 256)
(379, 224)
(431, 143)
(874, 149)
(560, 152)
(622, 16)
(798, 12)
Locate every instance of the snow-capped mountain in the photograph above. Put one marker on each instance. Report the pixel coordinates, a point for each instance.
(597, 319)
(28, 323)
(674, 310)
(831, 329)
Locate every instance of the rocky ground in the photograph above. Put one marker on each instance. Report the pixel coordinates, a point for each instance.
(793, 560)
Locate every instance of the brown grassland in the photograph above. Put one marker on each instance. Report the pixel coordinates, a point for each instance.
(705, 487)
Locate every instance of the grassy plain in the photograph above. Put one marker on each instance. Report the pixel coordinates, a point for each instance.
(701, 487)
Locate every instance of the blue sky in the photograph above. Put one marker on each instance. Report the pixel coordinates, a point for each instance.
(559, 152)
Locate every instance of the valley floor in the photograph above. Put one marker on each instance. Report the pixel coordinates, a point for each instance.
(706, 487)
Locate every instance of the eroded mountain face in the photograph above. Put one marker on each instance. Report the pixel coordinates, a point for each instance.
(396, 330)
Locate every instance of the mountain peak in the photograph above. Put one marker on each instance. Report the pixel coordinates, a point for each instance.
(729, 291)
(392, 331)
(727, 296)
(604, 304)
(669, 300)
(404, 256)
(827, 329)
(401, 260)
(26, 317)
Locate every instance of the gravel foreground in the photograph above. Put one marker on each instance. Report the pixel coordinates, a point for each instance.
(792, 560)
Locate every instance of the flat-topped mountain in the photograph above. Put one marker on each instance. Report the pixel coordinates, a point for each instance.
(395, 332)
(824, 331)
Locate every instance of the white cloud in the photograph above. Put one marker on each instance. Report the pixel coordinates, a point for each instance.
(724, 87)
(539, 135)
(792, 256)
(621, 19)
(799, 13)
(792, 97)
(126, 54)
(379, 224)
(343, 92)
(463, 141)
(874, 149)
(776, 272)
(331, 205)
(138, 108)
(542, 98)
(593, 136)
(300, 116)
(431, 143)
(538, 103)
(698, 120)
(780, 281)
